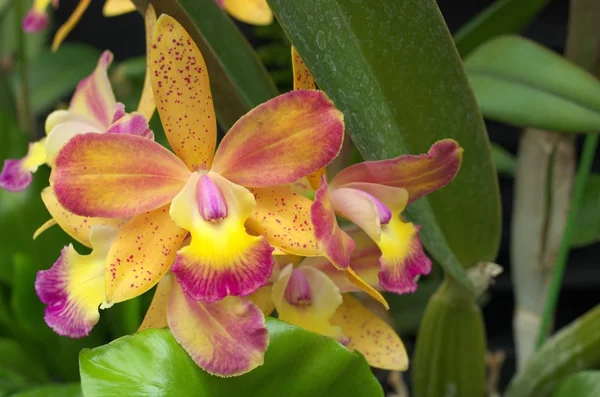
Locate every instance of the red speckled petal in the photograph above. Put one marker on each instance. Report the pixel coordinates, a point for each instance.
(283, 216)
(370, 335)
(156, 315)
(141, 255)
(225, 338)
(76, 226)
(182, 93)
(303, 79)
(419, 175)
(116, 175)
(273, 144)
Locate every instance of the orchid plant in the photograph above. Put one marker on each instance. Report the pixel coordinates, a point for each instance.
(220, 229)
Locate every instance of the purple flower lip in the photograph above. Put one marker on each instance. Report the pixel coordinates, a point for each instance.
(384, 212)
(297, 291)
(211, 203)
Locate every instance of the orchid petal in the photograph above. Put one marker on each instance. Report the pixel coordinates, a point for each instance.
(370, 335)
(113, 8)
(365, 287)
(356, 206)
(62, 133)
(64, 116)
(36, 19)
(182, 91)
(271, 144)
(254, 12)
(225, 338)
(156, 315)
(333, 241)
(364, 261)
(303, 78)
(402, 259)
(47, 225)
(78, 227)
(116, 175)
(262, 299)
(133, 124)
(16, 174)
(314, 313)
(68, 26)
(94, 97)
(142, 254)
(147, 104)
(74, 287)
(222, 258)
(283, 216)
(419, 175)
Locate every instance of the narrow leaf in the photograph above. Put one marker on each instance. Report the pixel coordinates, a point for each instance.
(521, 83)
(505, 162)
(588, 219)
(583, 384)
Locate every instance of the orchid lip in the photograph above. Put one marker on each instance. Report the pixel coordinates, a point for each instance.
(211, 203)
(297, 291)
(385, 215)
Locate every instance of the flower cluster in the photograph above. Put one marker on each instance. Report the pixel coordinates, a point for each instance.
(225, 232)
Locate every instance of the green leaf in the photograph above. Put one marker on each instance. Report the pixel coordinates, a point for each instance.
(239, 81)
(505, 162)
(68, 390)
(502, 17)
(297, 363)
(588, 219)
(407, 310)
(392, 68)
(17, 368)
(583, 384)
(521, 83)
(55, 74)
(7, 98)
(574, 348)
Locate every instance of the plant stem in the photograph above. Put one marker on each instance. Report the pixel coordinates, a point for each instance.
(583, 172)
(25, 116)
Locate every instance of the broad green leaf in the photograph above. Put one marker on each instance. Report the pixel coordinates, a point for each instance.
(582, 384)
(521, 83)
(501, 17)
(297, 363)
(55, 74)
(574, 348)
(66, 390)
(505, 162)
(392, 68)
(588, 219)
(239, 81)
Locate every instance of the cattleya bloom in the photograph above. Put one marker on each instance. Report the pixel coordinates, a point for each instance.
(254, 12)
(93, 108)
(373, 195)
(37, 17)
(196, 191)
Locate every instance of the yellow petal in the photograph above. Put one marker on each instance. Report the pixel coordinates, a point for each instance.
(303, 79)
(365, 287)
(254, 12)
(262, 299)
(370, 335)
(147, 104)
(156, 315)
(117, 7)
(47, 225)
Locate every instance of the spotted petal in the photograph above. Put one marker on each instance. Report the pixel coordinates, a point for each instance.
(156, 315)
(333, 241)
(222, 258)
(182, 92)
(303, 78)
(273, 143)
(147, 104)
(141, 255)
(16, 174)
(419, 175)
(116, 175)
(254, 12)
(225, 338)
(78, 227)
(315, 312)
(370, 335)
(283, 216)
(74, 287)
(94, 97)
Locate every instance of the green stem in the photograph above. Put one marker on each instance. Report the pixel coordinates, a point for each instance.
(25, 116)
(583, 172)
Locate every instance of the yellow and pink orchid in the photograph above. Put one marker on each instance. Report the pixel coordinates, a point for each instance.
(37, 18)
(253, 12)
(196, 192)
(93, 108)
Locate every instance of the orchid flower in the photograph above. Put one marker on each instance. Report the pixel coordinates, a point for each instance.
(198, 191)
(374, 194)
(93, 108)
(253, 12)
(37, 17)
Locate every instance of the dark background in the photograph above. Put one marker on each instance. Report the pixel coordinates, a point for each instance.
(124, 36)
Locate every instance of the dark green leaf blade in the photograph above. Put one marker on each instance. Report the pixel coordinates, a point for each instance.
(297, 363)
(239, 81)
(582, 384)
(521, 83)
(393, 70)
(588, 220)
